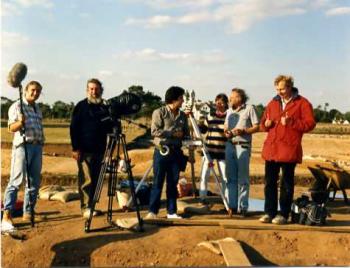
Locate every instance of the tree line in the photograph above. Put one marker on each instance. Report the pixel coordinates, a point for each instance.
(151, 101)
(62, 110)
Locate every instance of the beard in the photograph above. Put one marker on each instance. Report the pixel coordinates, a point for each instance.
(94, 100)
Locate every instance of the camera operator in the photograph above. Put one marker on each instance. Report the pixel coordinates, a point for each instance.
(169, 127)
(88, 132)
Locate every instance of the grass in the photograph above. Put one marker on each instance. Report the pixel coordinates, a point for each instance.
(57, 132)
(327, 128)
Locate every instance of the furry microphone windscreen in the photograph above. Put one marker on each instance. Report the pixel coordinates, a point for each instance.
(17, 74)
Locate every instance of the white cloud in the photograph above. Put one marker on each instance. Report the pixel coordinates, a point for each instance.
(11, 39)
(30, 3)
(10, 9)
(166, 4)
(338, 11)
(150, 54)
(14, 8)
(245, 13)
(158, 21)
(105, 73)
(84, 15)
(195, 18)
(238, 15)
(65, 76)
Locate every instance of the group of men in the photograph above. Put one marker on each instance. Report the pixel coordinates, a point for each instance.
(229, 141)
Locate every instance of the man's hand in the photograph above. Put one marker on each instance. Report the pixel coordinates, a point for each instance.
(21, 119)
(178, 134)
(237, 131)
(285, 120)
(228, 134)
(268, 123)
(76, 155)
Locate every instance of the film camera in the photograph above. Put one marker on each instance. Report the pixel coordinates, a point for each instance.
(122, 105)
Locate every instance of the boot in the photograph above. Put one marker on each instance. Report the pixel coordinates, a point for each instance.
(7, 217)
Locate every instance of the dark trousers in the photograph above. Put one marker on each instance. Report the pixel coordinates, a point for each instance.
(272, 170)
(164, 166)
(89, 168)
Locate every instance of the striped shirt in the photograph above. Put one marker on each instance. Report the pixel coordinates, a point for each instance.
(215, 139)
(33, 122)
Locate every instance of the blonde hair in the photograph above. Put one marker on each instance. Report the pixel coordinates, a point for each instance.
(289, 80)
(33, 83)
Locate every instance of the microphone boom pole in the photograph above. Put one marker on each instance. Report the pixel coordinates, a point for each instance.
(15, 77)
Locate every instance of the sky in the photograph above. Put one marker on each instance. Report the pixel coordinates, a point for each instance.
(202, 45)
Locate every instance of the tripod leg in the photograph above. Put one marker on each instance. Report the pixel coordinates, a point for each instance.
(105, 163)
(131, 182)
(194, 187)
(207, 156)
(139, 185)
(112, 185)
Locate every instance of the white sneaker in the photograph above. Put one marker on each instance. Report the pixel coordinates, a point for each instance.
(7, 227)
(173, 216)
(151, 216)
(87, 211)
(279, 220)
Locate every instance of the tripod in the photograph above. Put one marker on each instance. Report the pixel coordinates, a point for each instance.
(207, 156)
(197, 141)
(115, 141)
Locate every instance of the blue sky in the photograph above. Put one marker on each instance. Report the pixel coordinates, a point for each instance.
(206, 45)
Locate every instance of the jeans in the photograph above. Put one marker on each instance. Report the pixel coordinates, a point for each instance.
(205, 174)
(272, 170)
(237, 172)
(89, 168)
(164, 166)
(18, 174)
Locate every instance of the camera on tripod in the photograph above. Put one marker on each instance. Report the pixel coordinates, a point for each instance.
(125, 104)
(122, 105)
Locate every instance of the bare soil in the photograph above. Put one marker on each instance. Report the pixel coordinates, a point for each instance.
(61, 241)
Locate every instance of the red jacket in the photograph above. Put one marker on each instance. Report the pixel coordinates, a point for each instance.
(283, 143)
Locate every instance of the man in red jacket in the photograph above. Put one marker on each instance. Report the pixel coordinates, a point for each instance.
(286, 118)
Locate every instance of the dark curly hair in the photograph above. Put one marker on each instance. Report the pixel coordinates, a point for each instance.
(223, 98)
(173, 93)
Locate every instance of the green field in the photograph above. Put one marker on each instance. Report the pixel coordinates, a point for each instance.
(58, 131)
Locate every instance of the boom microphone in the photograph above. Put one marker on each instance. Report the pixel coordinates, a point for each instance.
(17, 74)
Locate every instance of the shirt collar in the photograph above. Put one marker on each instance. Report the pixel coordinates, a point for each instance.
(239, 108)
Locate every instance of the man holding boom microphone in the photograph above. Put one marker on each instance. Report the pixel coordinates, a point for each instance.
(169, 128)
(31, 121)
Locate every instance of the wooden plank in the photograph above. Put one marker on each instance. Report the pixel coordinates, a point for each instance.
(233, 253)
(240, 225)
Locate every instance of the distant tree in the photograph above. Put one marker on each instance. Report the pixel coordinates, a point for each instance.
(326, 106)
(318, 113)
(45, 109)
(5, 105)
(150, 101)
(62, 110)
(335, 114)
(260, 109)
(347, 116)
